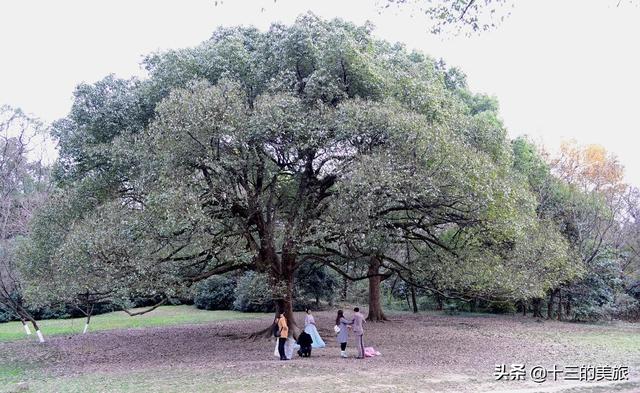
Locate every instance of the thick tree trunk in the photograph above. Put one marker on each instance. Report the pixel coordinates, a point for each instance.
(285, 305)
(537, 308)
(287, 269)
(375, 304)
(439, 302)
(473, 305)
(282, 269)
(552, 297)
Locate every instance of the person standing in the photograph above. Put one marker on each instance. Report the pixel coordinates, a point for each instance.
(284, 333)
(311, 329)
(358, 331)
(343, 334)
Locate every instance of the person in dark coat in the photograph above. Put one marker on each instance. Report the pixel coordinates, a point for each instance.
(305, 341)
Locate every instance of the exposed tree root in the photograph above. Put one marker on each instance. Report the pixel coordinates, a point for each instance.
(377, 319)
(266, 333)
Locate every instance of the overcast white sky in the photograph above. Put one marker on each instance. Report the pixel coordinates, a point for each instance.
(560, 69)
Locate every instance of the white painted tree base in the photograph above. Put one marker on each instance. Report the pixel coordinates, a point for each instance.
(86, 327)
(40, 337)
(26, 329)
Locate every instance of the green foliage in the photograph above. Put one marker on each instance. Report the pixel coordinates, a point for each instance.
(253, 293)
(593, 296)
(215, 293)
(502, 308)
(626, 307)
(6, 315)
(316, 282)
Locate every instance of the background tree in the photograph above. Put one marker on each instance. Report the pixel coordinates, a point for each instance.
(23, 187)
(316, 282)
(457, 16)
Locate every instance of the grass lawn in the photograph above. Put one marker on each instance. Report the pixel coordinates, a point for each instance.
(615, 340)
(162, 316)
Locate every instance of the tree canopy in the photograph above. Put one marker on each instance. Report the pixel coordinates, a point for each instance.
(314, 143)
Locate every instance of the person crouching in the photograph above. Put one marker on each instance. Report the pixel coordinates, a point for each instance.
(305, 341)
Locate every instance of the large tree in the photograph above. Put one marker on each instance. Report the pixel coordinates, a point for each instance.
(268, 150)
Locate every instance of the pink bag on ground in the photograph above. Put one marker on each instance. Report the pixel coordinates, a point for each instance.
(369, 352)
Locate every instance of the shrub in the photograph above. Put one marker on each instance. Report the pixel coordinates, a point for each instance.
(253, 293)
(6, 316)
(501, 308)
(451, 308)
(215, 293)
(588, 313)
(626, 307)
(426, 303)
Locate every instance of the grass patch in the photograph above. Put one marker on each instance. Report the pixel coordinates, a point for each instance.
(162, 316)
(10, 373)
(617, 341)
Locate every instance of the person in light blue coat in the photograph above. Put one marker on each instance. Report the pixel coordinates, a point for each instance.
(310, 329)
(343, 335)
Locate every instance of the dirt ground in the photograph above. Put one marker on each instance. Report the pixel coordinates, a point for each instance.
(424, 352)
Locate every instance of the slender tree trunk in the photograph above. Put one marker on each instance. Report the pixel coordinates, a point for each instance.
(375, 304)
(35, 325)
(88, 313)
(25, 316)
(413, 299)
(524, 308)
(568, 307)
(559, 305)
(393, 286)
(86, 324)
(25, 326)
(19, 312)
